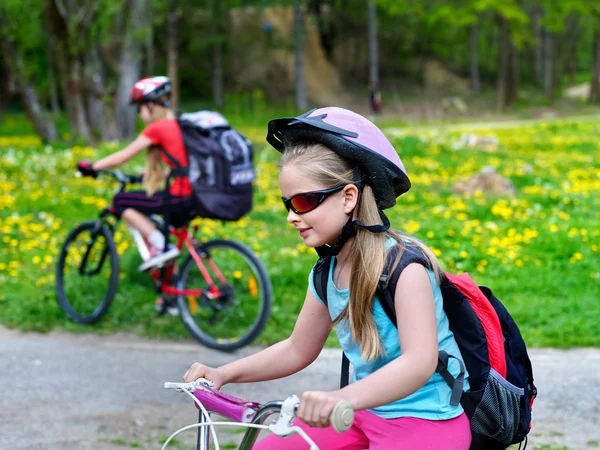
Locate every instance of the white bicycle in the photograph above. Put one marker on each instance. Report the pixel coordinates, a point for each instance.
(251, 415)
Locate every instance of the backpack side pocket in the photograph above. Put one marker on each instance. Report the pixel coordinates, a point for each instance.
(498, 413)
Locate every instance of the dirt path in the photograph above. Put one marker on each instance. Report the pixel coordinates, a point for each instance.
(64, 391)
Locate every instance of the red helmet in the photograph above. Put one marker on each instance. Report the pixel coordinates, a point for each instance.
(151, 89)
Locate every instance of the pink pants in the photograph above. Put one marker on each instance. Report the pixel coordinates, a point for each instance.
(372, 432)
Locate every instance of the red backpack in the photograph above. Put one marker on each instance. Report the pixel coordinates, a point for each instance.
(502, 392)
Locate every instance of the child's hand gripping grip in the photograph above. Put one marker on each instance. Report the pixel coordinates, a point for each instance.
(342, 416)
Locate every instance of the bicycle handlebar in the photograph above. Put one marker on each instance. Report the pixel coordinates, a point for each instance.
(119, 176)
(341, 418)
(200, 383)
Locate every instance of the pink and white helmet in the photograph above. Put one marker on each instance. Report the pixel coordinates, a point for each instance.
(150, 89)
(353, 137)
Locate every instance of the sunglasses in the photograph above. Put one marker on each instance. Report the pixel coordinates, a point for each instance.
(307, 201)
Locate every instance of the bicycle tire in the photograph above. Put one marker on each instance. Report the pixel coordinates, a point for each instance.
(71, 297)
(254, 275)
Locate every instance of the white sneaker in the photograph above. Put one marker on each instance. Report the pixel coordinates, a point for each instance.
(158, 258)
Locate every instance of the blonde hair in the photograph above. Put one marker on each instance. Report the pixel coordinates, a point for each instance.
(155, 173)
(368, 252)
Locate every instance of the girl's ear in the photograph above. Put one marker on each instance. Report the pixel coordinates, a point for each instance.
(350, 193)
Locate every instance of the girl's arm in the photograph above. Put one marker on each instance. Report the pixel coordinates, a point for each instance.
(280, 360)
(417, 331)
(116, 159)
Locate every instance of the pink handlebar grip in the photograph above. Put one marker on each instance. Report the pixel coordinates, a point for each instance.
(233, 408)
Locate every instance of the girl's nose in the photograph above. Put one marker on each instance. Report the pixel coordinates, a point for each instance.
(292, 217)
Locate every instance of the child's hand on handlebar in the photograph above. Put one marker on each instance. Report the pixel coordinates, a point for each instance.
(198, 370)
(316, 407)
(86, 168)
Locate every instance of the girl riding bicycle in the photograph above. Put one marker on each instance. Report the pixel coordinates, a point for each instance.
(337, 173)
(164, 144)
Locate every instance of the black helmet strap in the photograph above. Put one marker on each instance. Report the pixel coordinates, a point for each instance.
(349, 231)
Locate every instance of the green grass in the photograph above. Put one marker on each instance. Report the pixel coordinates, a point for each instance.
(538, 249)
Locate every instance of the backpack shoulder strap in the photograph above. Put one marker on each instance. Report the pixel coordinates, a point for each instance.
(320, 280)
(388, 281)
(385, 292)
(321, 277)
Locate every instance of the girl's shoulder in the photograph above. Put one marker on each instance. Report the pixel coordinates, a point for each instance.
(159, 129)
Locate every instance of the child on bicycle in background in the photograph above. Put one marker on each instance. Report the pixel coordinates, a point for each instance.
(337, 173)
(164, 144)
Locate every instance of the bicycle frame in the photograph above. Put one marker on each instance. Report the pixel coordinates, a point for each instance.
(251, 414)
(183, 237)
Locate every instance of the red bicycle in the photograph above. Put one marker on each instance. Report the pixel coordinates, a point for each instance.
(222, 290)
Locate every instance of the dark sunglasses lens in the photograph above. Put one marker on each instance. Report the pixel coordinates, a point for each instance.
(305, 202)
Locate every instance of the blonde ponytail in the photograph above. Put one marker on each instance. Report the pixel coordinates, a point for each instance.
(155, 173)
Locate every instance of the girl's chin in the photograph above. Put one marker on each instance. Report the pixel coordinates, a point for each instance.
(309, 241)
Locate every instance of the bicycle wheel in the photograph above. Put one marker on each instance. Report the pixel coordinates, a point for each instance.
(87, 272)
(237, 315)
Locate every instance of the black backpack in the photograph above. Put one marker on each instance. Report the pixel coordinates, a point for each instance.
(220, 167)
(502, 392)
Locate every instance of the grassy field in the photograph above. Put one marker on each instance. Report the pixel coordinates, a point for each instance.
(538, 249)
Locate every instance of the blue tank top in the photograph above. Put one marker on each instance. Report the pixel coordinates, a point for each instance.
(432, 401)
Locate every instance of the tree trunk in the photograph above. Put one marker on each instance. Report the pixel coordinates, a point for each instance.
(475, 79)
(129, 70)
(513, 85)
(95, 89)
(218, 75)
(76, 93)
(149, 43)
(218, 56)
(373, 51)
(504, 72)
(52, 85)
(5, 84)
(569, 47)
(548, 65)
(68, 30)
(172, 52)
(39, 117)
(51, 66)
(44, 126)
(539, 46)
(301, 101)
(595, 84)
(63, 76)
